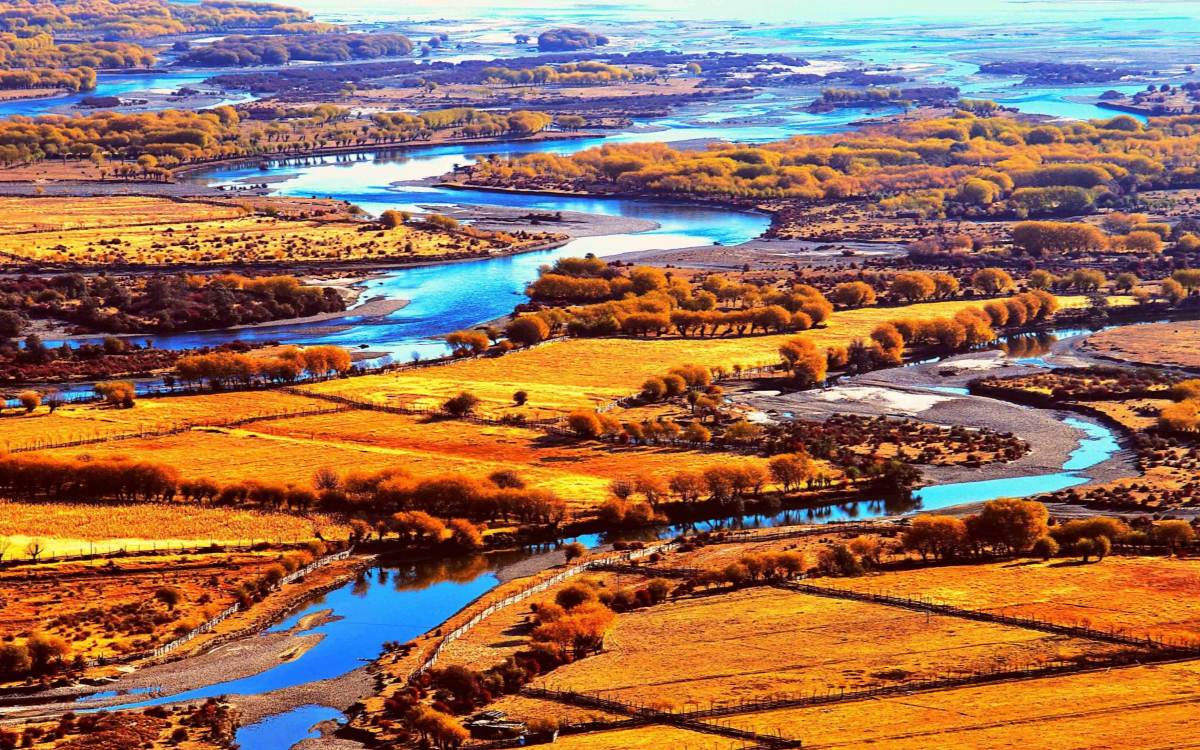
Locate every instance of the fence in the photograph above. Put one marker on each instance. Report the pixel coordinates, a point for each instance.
(694, 719)
(228, 612)
(552, 423)
(1029, 623)
(525, 593)
(648, 715)
(314, 565)
(152, 548)
(174, 429)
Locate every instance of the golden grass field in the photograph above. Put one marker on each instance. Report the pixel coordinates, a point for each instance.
(83, 602)
(1138, 595)
(72, 528)
(754, 643)
(292, 450)
(1139, 707)
(583, 373)
(237, 239)
(1176, 344)
(52, 214)
(757, 643)
(89, 421)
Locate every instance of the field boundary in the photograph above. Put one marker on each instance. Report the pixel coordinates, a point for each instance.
(208, 625)
(177, 428)
(694, 719)
(1029, 623)
(431, 660)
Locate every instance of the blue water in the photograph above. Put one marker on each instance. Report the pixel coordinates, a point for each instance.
(111, 84)
(398, 603)
(1098, 444)
(385, 604)
(290, 727)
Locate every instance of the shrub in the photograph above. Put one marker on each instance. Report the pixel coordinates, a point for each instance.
(462, 405)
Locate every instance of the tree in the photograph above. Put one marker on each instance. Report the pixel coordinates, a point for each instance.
(913, 286)
(992, 280)
(585, 423)
(1172, 291)
(1125, 282)
(467, 343)
(437, 728)
(393, 219)
(573, 551)
(1087, 279)
(1011, 524)
(838, 560)
(940, 536)
(1085, 548)
(14, 660)
(807, 363)
(791, 470)
(462, 405)
(30, 400)
(168, 595)
(527, 330)
(46, 650)
(853, 294)
(34, 549)
(464, 535)
(1173, 534)
(1040, 279)
(119, 393)
(1148, 243)
(520, 398)
(1045, 547)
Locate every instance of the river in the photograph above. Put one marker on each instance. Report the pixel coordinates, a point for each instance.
(400, 602)
(397, 603)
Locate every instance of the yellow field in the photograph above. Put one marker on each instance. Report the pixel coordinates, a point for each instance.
(49, 214)
(760, 642)
(579, 373)
(71, 529)
(1138, 595)
(1141, 707)
(1175, 344)
(88, 421)
(247, 239)
(291, 450)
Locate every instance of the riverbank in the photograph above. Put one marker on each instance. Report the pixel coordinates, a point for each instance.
(936, 392)
(765, 254)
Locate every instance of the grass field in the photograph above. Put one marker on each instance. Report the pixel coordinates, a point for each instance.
(581, 373)
(65, 215)
(1139, 595)
(154, 231)
(71, 529)
(369, 441)
(1176, 344)
(89, 421)
(1141, 707)
(760, 642)
(105, 613)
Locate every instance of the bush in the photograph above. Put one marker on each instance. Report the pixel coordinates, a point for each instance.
(462, 405)
(1045, 548)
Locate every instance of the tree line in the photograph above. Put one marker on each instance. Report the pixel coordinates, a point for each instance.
(241, 51)
(951, 165)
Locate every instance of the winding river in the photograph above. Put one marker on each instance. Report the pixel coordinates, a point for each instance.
(400, 602)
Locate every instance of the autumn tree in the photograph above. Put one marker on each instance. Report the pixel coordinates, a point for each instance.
(805, 360)
(992, 280)
(913, 286)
